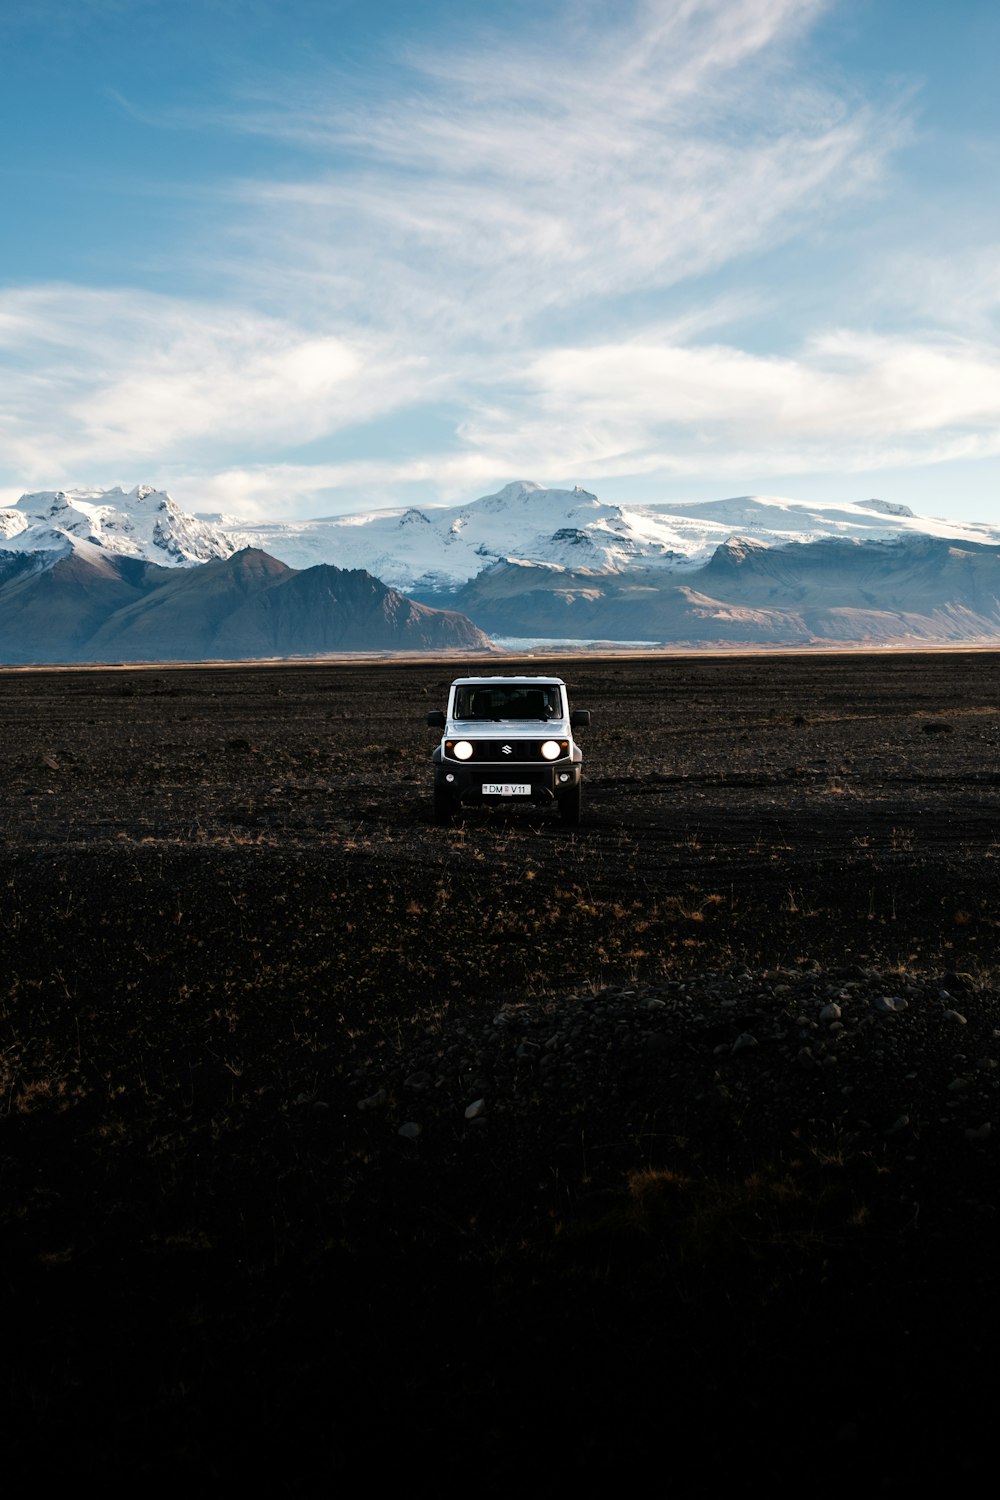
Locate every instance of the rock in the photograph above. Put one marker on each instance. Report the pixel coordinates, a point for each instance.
(374, 1100)
(657, 1043)
(410, 1131)
(475, 1109)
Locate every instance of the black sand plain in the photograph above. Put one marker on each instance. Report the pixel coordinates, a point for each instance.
(700, 1170)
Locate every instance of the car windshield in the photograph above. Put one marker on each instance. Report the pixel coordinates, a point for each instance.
(507, 700)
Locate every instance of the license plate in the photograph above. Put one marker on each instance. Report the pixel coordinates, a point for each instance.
(506, 789)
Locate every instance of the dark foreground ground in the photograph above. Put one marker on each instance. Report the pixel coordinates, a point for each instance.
(698, 1179)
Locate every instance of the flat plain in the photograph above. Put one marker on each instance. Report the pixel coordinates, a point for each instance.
(338, 1147)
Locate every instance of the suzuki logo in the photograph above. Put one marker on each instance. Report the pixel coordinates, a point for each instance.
(506, 749)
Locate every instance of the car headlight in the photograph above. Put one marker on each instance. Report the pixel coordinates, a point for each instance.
(552, 749)
(462, 750)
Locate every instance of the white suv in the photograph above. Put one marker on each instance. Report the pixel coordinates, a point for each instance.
(507, 740)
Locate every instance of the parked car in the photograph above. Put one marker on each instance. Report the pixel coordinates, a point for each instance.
(507, 741)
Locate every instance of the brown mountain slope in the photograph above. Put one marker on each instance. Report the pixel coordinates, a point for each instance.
(48, 613)
(922, 590)
(89, 607)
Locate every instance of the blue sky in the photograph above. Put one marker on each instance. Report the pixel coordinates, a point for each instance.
(318, 256)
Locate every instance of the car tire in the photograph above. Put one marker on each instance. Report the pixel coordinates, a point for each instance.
(569, 805)
(444, 805)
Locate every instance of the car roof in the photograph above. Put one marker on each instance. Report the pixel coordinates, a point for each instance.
(478, 681)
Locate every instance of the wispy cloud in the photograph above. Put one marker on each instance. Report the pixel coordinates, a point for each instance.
(143, 378)
(617, 155)
(860, 401)
(845, 403)
(291, 490)
(958, 291)
(491, 224)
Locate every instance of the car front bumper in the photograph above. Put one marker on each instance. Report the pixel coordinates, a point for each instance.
(543, 783)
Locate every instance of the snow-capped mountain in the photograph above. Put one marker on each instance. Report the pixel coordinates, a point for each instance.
(144, 523)
(527, 561)
(921, 590)
(93, 575)
(439, 548)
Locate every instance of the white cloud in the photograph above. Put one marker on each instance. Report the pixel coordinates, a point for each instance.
(847, 399)
(129, 378)
(609, 156)
(437, 241)
(287, 490)
(846, 403)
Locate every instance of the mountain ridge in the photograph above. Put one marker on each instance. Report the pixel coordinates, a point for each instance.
(143, 523)
(83, 608)
(423, 550)
(523, 562)
(924, 591)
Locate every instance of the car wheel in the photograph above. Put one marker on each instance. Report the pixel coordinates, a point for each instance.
(569, 804)
(444, 805)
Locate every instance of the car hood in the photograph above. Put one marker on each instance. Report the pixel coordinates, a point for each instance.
(490, 728)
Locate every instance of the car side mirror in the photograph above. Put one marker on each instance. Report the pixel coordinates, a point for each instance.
(435, 719)
(580, 718)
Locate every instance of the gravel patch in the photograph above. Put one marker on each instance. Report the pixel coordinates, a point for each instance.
(909, 1062)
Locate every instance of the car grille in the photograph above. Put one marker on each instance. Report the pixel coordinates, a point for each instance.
(508, 752)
